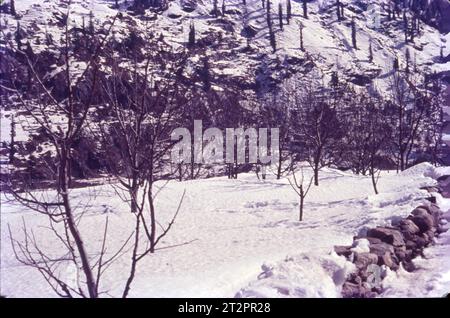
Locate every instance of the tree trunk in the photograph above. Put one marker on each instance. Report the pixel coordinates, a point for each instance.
(316, 173)
(134, 193)
(302, 198)
(152, 219)
(70, 221)
(280, 162)
(372, 173)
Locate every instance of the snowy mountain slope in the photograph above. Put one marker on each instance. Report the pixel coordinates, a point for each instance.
(238, 62)
(227, 230)
(327, 41)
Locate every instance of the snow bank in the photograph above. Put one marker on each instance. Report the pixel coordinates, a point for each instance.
(301, 276)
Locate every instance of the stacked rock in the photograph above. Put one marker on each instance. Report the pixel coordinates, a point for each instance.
(389, 247)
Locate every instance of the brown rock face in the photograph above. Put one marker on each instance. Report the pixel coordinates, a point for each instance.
(422, 219)
(362, 260)
(381, 249)
(409, 227)
(387, 235)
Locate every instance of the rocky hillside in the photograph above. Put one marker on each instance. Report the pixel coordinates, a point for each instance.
(245, 47)
(237, 42)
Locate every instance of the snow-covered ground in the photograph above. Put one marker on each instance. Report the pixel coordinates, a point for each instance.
(240, 237)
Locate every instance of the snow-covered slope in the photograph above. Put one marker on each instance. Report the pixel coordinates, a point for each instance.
(327, 41)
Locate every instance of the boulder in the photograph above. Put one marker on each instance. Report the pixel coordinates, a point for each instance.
(411, 244)
(408, 226)
(420, 242)
(351, 290)
(434, 208)
(390, 260)
(421, 211)
(372, 275)
(422, 219)
(343, 250)
(409, 266)
(436, 212)
(368, 291)
(381, 248)
(402, 253)
(387, 235)
(188, 5)
(373, 240)
(354, 278)
(362, 260)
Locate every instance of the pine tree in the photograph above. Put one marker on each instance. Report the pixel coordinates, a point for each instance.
(338, 9)
(29, 51)
(269, 24)
(405, 25)
(191, 40)
(12, 8)
(91, 22)
(301, 37)
(355, 46)
(389, 12)
(18, 36)
(268, 18)
(215, 8)
(305, 9)
(12, 144)
(206, 75)
(273, 42)
(415, 62)
(408, 59)
(370, 51)
(418, 26)
(396, 65)
(288, 11)
(334, 82)
(413, 28)
(48, 38)
(223, 8)
(280, 15)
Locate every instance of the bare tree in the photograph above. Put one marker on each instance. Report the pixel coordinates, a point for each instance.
(301, 188)
(408, 103)
(276, 111)
(369, 132)
(317, 130)
(73, 109)
(434, 120)
(143, 112)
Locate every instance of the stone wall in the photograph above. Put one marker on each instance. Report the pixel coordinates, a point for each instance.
(389, 247)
